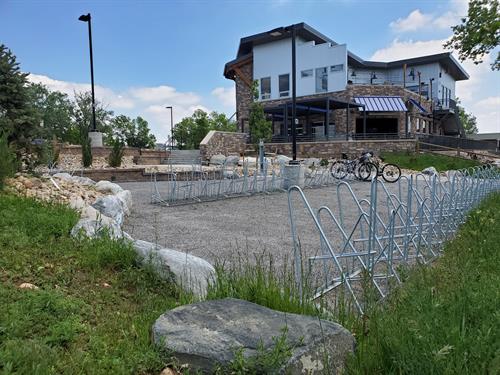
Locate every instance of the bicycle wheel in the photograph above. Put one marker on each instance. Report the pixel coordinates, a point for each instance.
(366, 171)
(338, 170)
(391, 172)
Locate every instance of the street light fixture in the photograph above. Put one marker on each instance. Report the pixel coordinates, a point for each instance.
(87, 18)
(171, 126)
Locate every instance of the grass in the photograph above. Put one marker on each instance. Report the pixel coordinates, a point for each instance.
(445, 319)
(421, 161)
(94, 308)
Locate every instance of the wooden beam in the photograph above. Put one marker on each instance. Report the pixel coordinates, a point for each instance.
(243, 77)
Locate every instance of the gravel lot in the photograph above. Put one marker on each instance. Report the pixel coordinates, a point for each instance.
(220, 230)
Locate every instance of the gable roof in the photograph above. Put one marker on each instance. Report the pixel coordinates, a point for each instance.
(307, 32)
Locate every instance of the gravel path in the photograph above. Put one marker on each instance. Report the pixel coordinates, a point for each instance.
(220, 230)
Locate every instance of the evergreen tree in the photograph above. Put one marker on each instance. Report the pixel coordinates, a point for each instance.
(18, 120)
(260, 127)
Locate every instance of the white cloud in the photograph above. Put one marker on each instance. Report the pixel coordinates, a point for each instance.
(404, 49)
(226, 95)
(148, 102)
(414, 21)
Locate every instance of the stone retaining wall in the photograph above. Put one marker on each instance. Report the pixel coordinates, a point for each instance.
(329, 149)
(70, 157)
(225, 143)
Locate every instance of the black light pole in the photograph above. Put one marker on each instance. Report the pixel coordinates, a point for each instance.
(171, 126)
(87, 18)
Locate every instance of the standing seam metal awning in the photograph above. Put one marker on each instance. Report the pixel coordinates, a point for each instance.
(381, 103)
(418, 106)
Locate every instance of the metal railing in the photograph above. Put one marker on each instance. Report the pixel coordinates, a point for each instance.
(364, 242)
(458, 142)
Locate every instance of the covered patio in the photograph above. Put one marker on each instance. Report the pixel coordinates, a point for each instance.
(314, 119)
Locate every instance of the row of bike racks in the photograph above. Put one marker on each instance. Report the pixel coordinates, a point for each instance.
(365, 243)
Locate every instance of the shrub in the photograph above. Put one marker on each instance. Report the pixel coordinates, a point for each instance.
(116, 155)
(86, 152)
(7, 160)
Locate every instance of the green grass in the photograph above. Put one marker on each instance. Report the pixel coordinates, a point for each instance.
(445, 319)
(421, 161)
(74, 323)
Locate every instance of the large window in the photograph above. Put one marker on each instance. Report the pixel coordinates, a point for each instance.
(321, 79)
(306, 73)
(284, 83)
(265, 88)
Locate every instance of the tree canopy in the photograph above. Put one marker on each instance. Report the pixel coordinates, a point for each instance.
(260, 127)
(191, 130)
(479, 32)
(134, 133)
(469, 121)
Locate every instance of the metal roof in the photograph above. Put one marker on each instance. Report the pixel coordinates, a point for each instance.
(418, 105)
(381, 103)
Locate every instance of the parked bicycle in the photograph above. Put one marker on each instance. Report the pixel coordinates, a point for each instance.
(365, 168)
(359, 168)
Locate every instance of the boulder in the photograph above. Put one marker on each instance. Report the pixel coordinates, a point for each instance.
(430, 171)
(217, 159)
(207, 334)
(76, 203)
(89, 212)
(111, 206)
(231, 174)
(85, 181)
(63, 176)
(232, 160)
(125, 196)
(108, 187)
(96, 228)
(188, 271)
(283, 159)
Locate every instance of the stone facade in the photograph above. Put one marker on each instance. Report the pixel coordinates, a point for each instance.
(225, 143)
(335, 149)
(244, 96)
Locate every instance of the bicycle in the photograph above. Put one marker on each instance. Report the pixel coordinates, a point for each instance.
(390, 172)
(359, 167)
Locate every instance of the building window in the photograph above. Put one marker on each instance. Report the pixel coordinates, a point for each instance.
(337, 68)
(321, 79)
(284, 85)
(265, 88)
(306, 73)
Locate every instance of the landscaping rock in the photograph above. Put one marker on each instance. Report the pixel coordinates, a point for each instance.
(85, 181)
(188, 271)
(431, 171)
(112, 206)
(231, 174)
(89, 212)
(76, 203)
(232, 160)
(108, 187)
(283, 159)
(217, 159)
(207, 334)
(63, 176)
(94, 229)
(28, 286)
(125, 196)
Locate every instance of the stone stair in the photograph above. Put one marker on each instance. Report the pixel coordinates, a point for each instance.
(186, 157)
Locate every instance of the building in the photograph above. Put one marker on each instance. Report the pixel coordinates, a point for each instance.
(340, 95)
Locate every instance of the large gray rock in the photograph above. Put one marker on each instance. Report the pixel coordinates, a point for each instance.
(63, 176)
(430, 171)
(83, 180)
(217, 159)
(111, 206)
(207, 334)
(97, 228)
(108, 187)
(283, 159)
(125, 196)
(191, 273)
(232, 160)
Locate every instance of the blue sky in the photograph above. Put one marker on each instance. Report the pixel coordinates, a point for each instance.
(150, 54)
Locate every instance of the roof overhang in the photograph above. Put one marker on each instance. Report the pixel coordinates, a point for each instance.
(381, 103)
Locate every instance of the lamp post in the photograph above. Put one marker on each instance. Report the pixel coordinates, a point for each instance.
(96, 138)
(171, 126)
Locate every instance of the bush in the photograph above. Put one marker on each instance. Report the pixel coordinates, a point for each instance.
(116, 155)
(86, 152)
(7, 160)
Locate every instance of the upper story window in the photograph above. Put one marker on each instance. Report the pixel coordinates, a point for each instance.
(306, 73)
(321, 79)
(265, 88)
(284, 85)
(337, 68)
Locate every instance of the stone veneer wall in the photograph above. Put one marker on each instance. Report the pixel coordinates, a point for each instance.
(334, 149)
(70, 157)
(244, 97)
(225, 143)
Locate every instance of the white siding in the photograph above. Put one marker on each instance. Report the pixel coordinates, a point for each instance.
(274, 59)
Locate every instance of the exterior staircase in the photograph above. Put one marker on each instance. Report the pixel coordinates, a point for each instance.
(186, 157)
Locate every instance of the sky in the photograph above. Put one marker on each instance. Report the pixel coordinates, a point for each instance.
(152, 54)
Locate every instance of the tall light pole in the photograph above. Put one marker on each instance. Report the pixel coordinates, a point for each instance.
(171, 126)
(97, 141)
